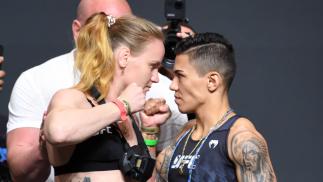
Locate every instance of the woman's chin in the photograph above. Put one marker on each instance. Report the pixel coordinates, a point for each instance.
(180, 106)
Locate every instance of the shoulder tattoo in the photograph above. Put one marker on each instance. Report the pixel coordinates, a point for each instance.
(250, 152)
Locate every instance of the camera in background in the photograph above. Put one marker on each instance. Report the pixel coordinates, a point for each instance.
(175, 15)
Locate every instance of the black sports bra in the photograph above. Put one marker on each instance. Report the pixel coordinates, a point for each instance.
(98, 153)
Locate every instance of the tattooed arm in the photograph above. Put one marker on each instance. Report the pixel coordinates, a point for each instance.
(162, 163)
(249, 151)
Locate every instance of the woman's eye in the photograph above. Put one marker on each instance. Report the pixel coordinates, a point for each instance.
(154, 66)
(179, 75)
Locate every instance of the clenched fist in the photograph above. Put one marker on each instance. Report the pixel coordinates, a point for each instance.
(135, 96)
(155, 112)
(152, 106)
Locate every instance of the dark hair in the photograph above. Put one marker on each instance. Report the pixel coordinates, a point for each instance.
(210, 52)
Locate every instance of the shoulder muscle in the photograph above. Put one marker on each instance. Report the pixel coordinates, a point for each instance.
(66, 98)
(249, 151)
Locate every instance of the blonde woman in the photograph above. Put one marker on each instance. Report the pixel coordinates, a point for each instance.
(90, 127)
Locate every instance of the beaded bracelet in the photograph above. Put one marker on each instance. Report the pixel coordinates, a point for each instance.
(127, 105)
(150, 130)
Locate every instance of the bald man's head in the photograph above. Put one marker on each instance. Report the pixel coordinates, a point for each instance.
(115, 8)
(87, 8)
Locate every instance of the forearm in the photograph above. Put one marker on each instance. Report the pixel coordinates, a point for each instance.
(67, 127)
(148, 138)
(162, 163)
(152, 152)
(26, 163)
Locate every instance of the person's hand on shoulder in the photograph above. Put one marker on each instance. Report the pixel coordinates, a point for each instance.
(42, 138)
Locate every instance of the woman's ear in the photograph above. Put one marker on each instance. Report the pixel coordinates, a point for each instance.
(213, 81)
(122, 56)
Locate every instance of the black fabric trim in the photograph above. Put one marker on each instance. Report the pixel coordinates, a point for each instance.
(227, 126)
(90, 102)
(86, 167)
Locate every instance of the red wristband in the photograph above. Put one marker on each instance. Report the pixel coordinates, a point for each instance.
(120, 105)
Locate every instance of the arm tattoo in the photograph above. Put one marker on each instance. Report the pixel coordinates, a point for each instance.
(251, 153)
(87, 179)
(167, 156)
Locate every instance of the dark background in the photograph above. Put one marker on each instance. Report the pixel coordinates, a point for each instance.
(279, 55)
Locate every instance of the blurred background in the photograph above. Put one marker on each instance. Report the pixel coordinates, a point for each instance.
(278, 47)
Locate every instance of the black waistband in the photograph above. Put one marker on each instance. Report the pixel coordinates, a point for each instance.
(86, 167)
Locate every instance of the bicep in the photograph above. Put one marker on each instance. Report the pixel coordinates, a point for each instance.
(62, 101)
(66, 99)
(249, 151)
(22, 137)
(22, 142)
